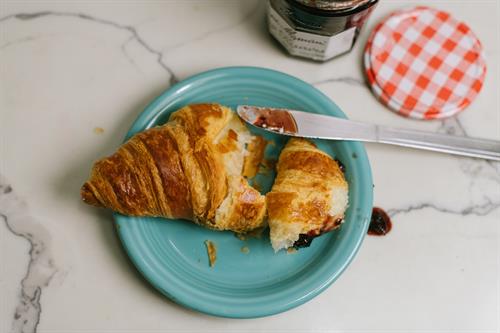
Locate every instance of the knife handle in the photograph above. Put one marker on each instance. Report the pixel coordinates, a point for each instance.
(481, 148)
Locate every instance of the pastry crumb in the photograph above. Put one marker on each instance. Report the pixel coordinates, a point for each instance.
(98, 130)
(255, 233)
(242, 237)
(291, 250)
(212, 252)
(245, 249)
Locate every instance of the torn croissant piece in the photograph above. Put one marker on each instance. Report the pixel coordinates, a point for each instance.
(308, 198)
(190, 168)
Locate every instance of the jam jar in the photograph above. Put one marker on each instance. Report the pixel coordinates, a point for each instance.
(318, 29)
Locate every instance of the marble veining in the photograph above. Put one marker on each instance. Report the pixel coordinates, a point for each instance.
(13, 210)
(477, 209)
(18, 41)
(349, 80)
(247, 16)
(82, 16)
(40, 268)
(471, 168)
(130, 59)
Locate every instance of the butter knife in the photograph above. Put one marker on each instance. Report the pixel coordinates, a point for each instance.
(317, 126)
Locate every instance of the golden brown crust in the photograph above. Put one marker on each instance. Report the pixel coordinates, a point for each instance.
(311, 163)
(214, 173)
(174, 195)
(277, 204)
(88, 195)
(194, 176)
(126, 184)
(202, 120)
(301, 192)
(176, 170)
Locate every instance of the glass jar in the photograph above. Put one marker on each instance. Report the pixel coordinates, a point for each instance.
(318, 29)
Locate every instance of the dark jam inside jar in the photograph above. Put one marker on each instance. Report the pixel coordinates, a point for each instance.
(331, 17)
(305, 19)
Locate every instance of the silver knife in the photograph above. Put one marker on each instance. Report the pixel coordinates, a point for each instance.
(317, 126)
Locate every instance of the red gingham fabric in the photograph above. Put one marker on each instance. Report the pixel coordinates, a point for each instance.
(424, 64)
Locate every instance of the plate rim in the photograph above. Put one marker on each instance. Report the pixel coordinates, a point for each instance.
(144, 121)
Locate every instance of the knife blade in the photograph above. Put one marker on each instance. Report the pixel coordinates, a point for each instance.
(318, 126)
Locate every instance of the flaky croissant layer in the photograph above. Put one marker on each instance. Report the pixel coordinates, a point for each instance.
(309, 195)
(190, 168)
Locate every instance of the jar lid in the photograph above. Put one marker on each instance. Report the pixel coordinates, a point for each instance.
(424, 64)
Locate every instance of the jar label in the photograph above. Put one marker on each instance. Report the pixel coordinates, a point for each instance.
(307, 44)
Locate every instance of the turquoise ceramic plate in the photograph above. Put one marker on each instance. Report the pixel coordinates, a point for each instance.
(171, 253)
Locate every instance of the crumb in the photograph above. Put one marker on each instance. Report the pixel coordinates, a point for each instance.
(241, 237)
(245, 249)
(255, 233)
(98, 130)
(291, 250)
(212, 252)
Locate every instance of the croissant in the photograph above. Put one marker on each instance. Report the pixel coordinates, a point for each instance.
(308, 198)
(190, 168)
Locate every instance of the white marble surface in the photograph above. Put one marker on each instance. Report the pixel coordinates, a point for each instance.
(68, 67)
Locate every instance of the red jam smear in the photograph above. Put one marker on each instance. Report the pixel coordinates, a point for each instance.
(380, 223)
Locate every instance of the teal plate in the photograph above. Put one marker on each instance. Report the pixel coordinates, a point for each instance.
(171, 254)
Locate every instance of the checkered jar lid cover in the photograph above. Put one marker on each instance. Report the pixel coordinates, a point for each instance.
(424, 64)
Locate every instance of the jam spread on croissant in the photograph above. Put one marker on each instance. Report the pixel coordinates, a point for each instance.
(341, 165)
(305, 240)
